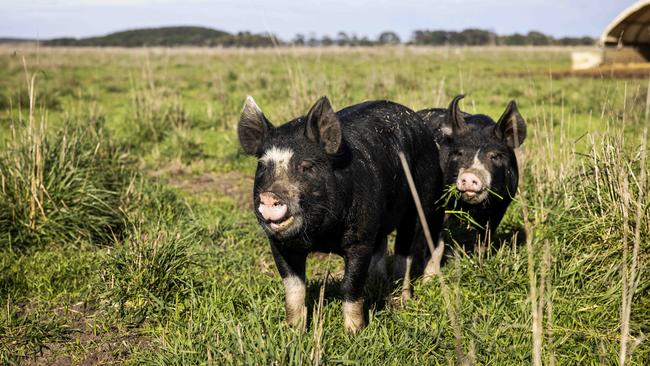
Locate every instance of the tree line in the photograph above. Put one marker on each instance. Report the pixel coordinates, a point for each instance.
(480, 37)
(467, 37)
(206, 37)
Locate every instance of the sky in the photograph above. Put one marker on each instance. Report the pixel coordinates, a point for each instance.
(43, 19)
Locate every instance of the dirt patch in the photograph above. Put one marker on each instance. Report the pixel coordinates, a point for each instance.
(234, 184)
(87, 344)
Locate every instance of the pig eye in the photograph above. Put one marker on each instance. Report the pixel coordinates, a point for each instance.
(456, 154)
(495, 156)
(306, 166)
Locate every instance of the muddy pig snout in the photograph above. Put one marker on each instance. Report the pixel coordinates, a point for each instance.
(469, 182)
(271, 206)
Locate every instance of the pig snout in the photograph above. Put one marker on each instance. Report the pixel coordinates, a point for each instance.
(469, 182)
(271, 206)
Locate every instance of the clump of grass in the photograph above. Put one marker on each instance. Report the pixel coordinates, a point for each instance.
(151, 272)
(155, 268)
(67, 189)
(59, 187)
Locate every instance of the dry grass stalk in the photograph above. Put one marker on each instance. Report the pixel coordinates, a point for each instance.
(630, 277)
(446, 294)
(536, 293)
(317, 352)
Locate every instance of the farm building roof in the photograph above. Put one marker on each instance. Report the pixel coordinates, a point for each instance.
(631, 27)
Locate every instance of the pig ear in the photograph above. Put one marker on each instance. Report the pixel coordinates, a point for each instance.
(253, 127)
(511, 127)
(455, 122)
(324, 127)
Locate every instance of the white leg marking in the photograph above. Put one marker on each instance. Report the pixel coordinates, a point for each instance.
(407, 291)
(353, 316)
(294, 291)
(433, 266)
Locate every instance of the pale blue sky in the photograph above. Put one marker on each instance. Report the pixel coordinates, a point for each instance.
(80, 18)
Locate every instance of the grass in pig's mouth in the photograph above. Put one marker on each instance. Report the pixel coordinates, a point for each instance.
(452, 194)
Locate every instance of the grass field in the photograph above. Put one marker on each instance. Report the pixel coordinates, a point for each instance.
(126, 234)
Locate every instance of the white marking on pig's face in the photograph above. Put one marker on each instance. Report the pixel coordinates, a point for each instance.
(485, 174)
(279, 156)
(479, 169)
(281, 182)
(446, 131)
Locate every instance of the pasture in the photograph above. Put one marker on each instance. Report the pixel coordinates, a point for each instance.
(126, 234)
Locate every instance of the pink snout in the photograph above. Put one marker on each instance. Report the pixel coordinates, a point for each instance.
(469, 182)
(271, 207)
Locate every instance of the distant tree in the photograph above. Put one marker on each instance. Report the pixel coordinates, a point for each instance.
(476, 37)
(313, 41)
(342, 39)
(354, 40)
(365, 41)
(388, 38)
(576, 41)
(298, 40)
(535, 38)
(326, 41)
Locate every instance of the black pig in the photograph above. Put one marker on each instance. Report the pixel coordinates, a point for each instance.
(477, 159)
(332, 182)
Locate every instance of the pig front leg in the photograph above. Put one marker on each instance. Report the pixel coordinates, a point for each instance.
(291, 265)
(435, 262)
(377, 270)
(357, 262)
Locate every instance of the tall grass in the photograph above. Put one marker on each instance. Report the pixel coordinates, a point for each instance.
(61, 186)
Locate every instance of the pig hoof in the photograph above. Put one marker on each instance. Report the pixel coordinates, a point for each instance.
(297, 318)
(353, 316)
(432, 269)
(407, 294)
(352, 327)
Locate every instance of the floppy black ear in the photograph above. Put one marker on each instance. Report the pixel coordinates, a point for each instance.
(324, 127)
(455, 123)
(253, 127)
(511, 127)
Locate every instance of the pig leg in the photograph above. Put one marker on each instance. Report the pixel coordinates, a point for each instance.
(357, 261)
(435, 220)
(291, 266)
(377, 270)
(435, 262)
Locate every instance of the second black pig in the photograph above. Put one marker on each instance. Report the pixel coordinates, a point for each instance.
(478, 161)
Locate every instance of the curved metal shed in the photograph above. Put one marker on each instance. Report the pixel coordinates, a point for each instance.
(630, 28)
